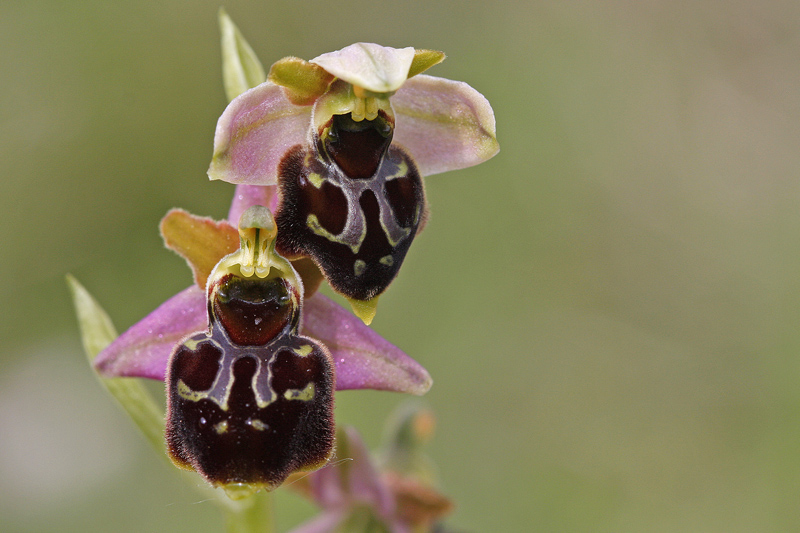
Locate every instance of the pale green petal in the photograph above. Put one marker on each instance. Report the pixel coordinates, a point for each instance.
(241, 69)
(376, 68)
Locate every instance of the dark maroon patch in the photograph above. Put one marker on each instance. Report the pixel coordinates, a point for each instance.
(387, 197)
(247, 442)
(327, 203)
(358, 147)
(199, 367)
(253, 311)
(402, 195)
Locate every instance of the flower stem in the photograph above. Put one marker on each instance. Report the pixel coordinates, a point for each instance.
(250, 515)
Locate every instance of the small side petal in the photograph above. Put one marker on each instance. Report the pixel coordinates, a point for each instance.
(379, 69)
(303, 81)
(254, 133)
(444, 124)
(364, 359)
(144, 350)
(241, 69)
(201, 241)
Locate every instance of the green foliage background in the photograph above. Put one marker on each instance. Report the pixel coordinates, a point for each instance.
(609, 308)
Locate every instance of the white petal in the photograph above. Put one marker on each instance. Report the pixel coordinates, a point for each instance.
(373, 67)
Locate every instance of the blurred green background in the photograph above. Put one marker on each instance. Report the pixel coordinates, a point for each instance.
(609, 308)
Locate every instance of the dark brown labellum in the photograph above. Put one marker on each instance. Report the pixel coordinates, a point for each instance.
(250, 413)
(358, 147)
(353, 204)
(254, 311)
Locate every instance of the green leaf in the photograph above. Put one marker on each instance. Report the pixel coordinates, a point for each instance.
(97, 332)
(241, 69)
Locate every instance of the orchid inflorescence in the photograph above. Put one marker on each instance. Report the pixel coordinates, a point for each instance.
(251, 354)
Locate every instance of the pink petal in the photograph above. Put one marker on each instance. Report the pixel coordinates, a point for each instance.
(364, 359)
(143, 351)
(443, 124)
(247, 196)
(324, 523)
(253, 134)
(351, 477)
(366, 483)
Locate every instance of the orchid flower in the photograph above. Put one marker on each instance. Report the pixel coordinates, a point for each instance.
(250, 400)
(205, 342)
(244, 337)
(363, 359)
(346, 138)
(358, 493)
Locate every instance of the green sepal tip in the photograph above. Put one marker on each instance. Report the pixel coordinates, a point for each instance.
(423, 60)
(97, 332)
(241, 69)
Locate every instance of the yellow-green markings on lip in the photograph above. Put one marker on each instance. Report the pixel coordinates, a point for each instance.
(359, 266)
(304, 350)
(195, 396)
(315, 179)
(313, 224)
(403, 233)
(402, 171)
(304, 395)
(221, 428)
(257, 424)
(188, 394)
(192, 344)
(260, 401)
